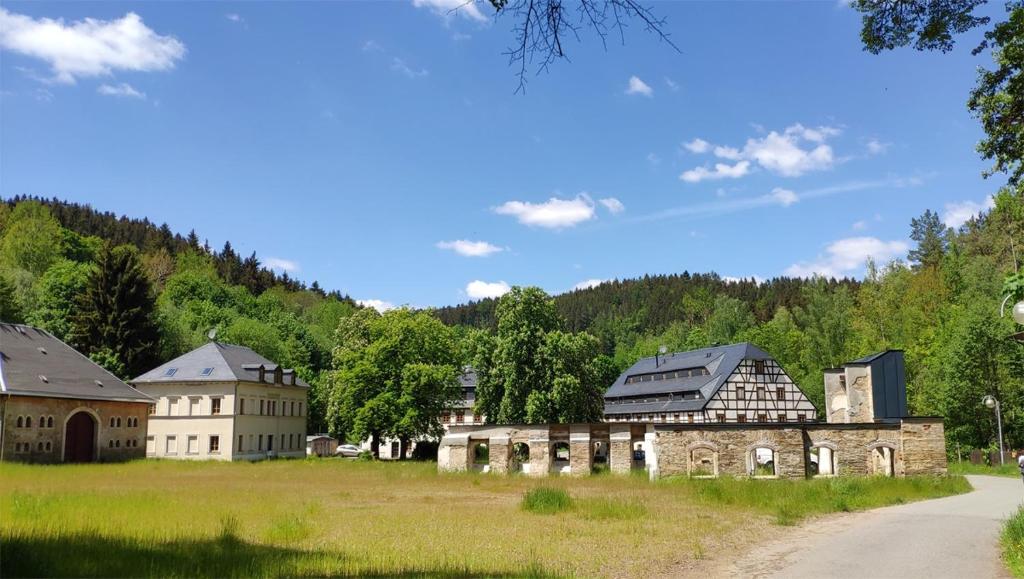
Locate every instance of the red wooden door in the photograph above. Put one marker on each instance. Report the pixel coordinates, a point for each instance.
(80, 438)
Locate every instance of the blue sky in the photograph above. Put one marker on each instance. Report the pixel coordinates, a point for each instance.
(380, 149)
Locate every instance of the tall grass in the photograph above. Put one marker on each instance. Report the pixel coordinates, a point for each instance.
(348, 518)
(1008, 469)
(1013, 543)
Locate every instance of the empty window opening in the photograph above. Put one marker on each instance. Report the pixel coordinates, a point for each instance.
(521, 457)
(822, 461)
(703, 463)
(883, 461)
(762, 462)
(560, 457)
(481, 454)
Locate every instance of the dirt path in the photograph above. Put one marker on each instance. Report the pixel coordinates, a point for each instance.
(953, 537)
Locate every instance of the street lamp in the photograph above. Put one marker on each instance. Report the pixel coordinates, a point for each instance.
(1017, 313)
(993, 404)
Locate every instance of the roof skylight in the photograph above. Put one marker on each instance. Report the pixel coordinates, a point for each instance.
(171, 372)
(206, 372)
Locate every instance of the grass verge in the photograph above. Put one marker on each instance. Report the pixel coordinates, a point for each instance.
(1010, 470)
(1013, 543)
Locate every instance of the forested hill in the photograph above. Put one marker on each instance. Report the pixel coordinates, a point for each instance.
(150, 238)
(653, 302)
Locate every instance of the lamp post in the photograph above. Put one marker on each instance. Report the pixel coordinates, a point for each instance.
(993, 404)
(1017, 313)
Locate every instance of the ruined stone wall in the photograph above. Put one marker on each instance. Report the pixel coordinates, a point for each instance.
(733, 447)
(114, 443)
(836, 402)
(924, 446)
(859, 395)
(853, 447)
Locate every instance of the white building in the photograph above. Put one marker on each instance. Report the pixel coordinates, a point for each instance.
(224, 402)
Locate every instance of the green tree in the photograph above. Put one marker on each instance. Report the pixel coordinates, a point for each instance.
(57, 293)
(115, 314)
(32, 239)
(729, 318)
(393, 375)
(10, 311)
(525, 316)
(930, 235)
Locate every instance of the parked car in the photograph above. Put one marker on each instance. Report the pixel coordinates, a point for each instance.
(348, 451)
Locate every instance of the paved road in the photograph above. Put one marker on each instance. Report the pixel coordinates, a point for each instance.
(951, 537)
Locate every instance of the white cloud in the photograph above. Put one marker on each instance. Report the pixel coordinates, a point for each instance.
(613, 205)
(43, 95)
(637, 86)
(671, 84)
(730, 153)
(121, 90)
(469, 248)
(791, 153)
(589, 283)
(399, 65)
(733, 279)
(847, 256)
(372, 46)
(697, 146)
(379, 305)
(859, 225)
(784, 197)
(280, 264)
(234, 17)
(957, 214)
(876, 147)
(783, 155)
(653, 159)
(448, 8)
(720, 171)
(478, 290)
(89, 47)
(554, 213)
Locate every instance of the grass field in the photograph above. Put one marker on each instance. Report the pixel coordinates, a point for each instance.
(1013, 543)
(1008, 469)
(335, 517)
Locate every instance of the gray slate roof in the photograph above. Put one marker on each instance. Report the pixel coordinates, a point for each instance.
(28, 355)
(217, 362)
(720, 362)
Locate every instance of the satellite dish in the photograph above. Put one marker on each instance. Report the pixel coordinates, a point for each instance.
(212, 334)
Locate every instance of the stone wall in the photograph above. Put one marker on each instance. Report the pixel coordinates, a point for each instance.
(924, 446)
(915, 446)
(733, 447)
(113, 443)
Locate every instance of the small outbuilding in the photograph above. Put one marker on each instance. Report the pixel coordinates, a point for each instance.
(321, 445)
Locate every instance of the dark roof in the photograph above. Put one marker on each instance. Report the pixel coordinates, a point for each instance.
(869, 358)
(719, 361)
(35, 363)
(217, 362)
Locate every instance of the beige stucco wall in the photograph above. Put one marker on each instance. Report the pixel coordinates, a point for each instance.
(124, 437)
(288, 431)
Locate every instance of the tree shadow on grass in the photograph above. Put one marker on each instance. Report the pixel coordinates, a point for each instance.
(84, 555)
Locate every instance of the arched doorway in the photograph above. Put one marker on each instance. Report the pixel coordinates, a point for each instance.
(80, 438)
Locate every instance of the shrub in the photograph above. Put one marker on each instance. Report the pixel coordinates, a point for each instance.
(546, 501)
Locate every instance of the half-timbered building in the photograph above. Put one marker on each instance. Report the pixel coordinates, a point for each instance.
(738, 383)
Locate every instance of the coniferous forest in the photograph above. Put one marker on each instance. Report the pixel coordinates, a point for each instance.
(59, 261)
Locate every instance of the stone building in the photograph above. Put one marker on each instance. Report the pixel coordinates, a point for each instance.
(863, 443)
(225, 402)
(56, 405)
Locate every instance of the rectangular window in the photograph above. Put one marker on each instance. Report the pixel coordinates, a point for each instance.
(193, 445)
(689, 418)
(172, 407)
(270, 442)
(206, 372)
(459, 416)
(446, 417)
(172, 445)
(721, 416)
(758, 366)
(300, 409)
(260, 447)
(261, 406)
(801, 417)
(762, 418)
(782, 417)
(741, 393)
(193, 406)
(241, 443)
(251, 445)
(215, 406)
(780, 393)
(151, 409)
(741, 418)
(214, 444)
(241, 405)
(760, 393)
(675, 417)
(150, 445)
(477, 419)
(170, 372)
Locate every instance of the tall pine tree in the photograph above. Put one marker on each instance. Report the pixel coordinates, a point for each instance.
(114, 322)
